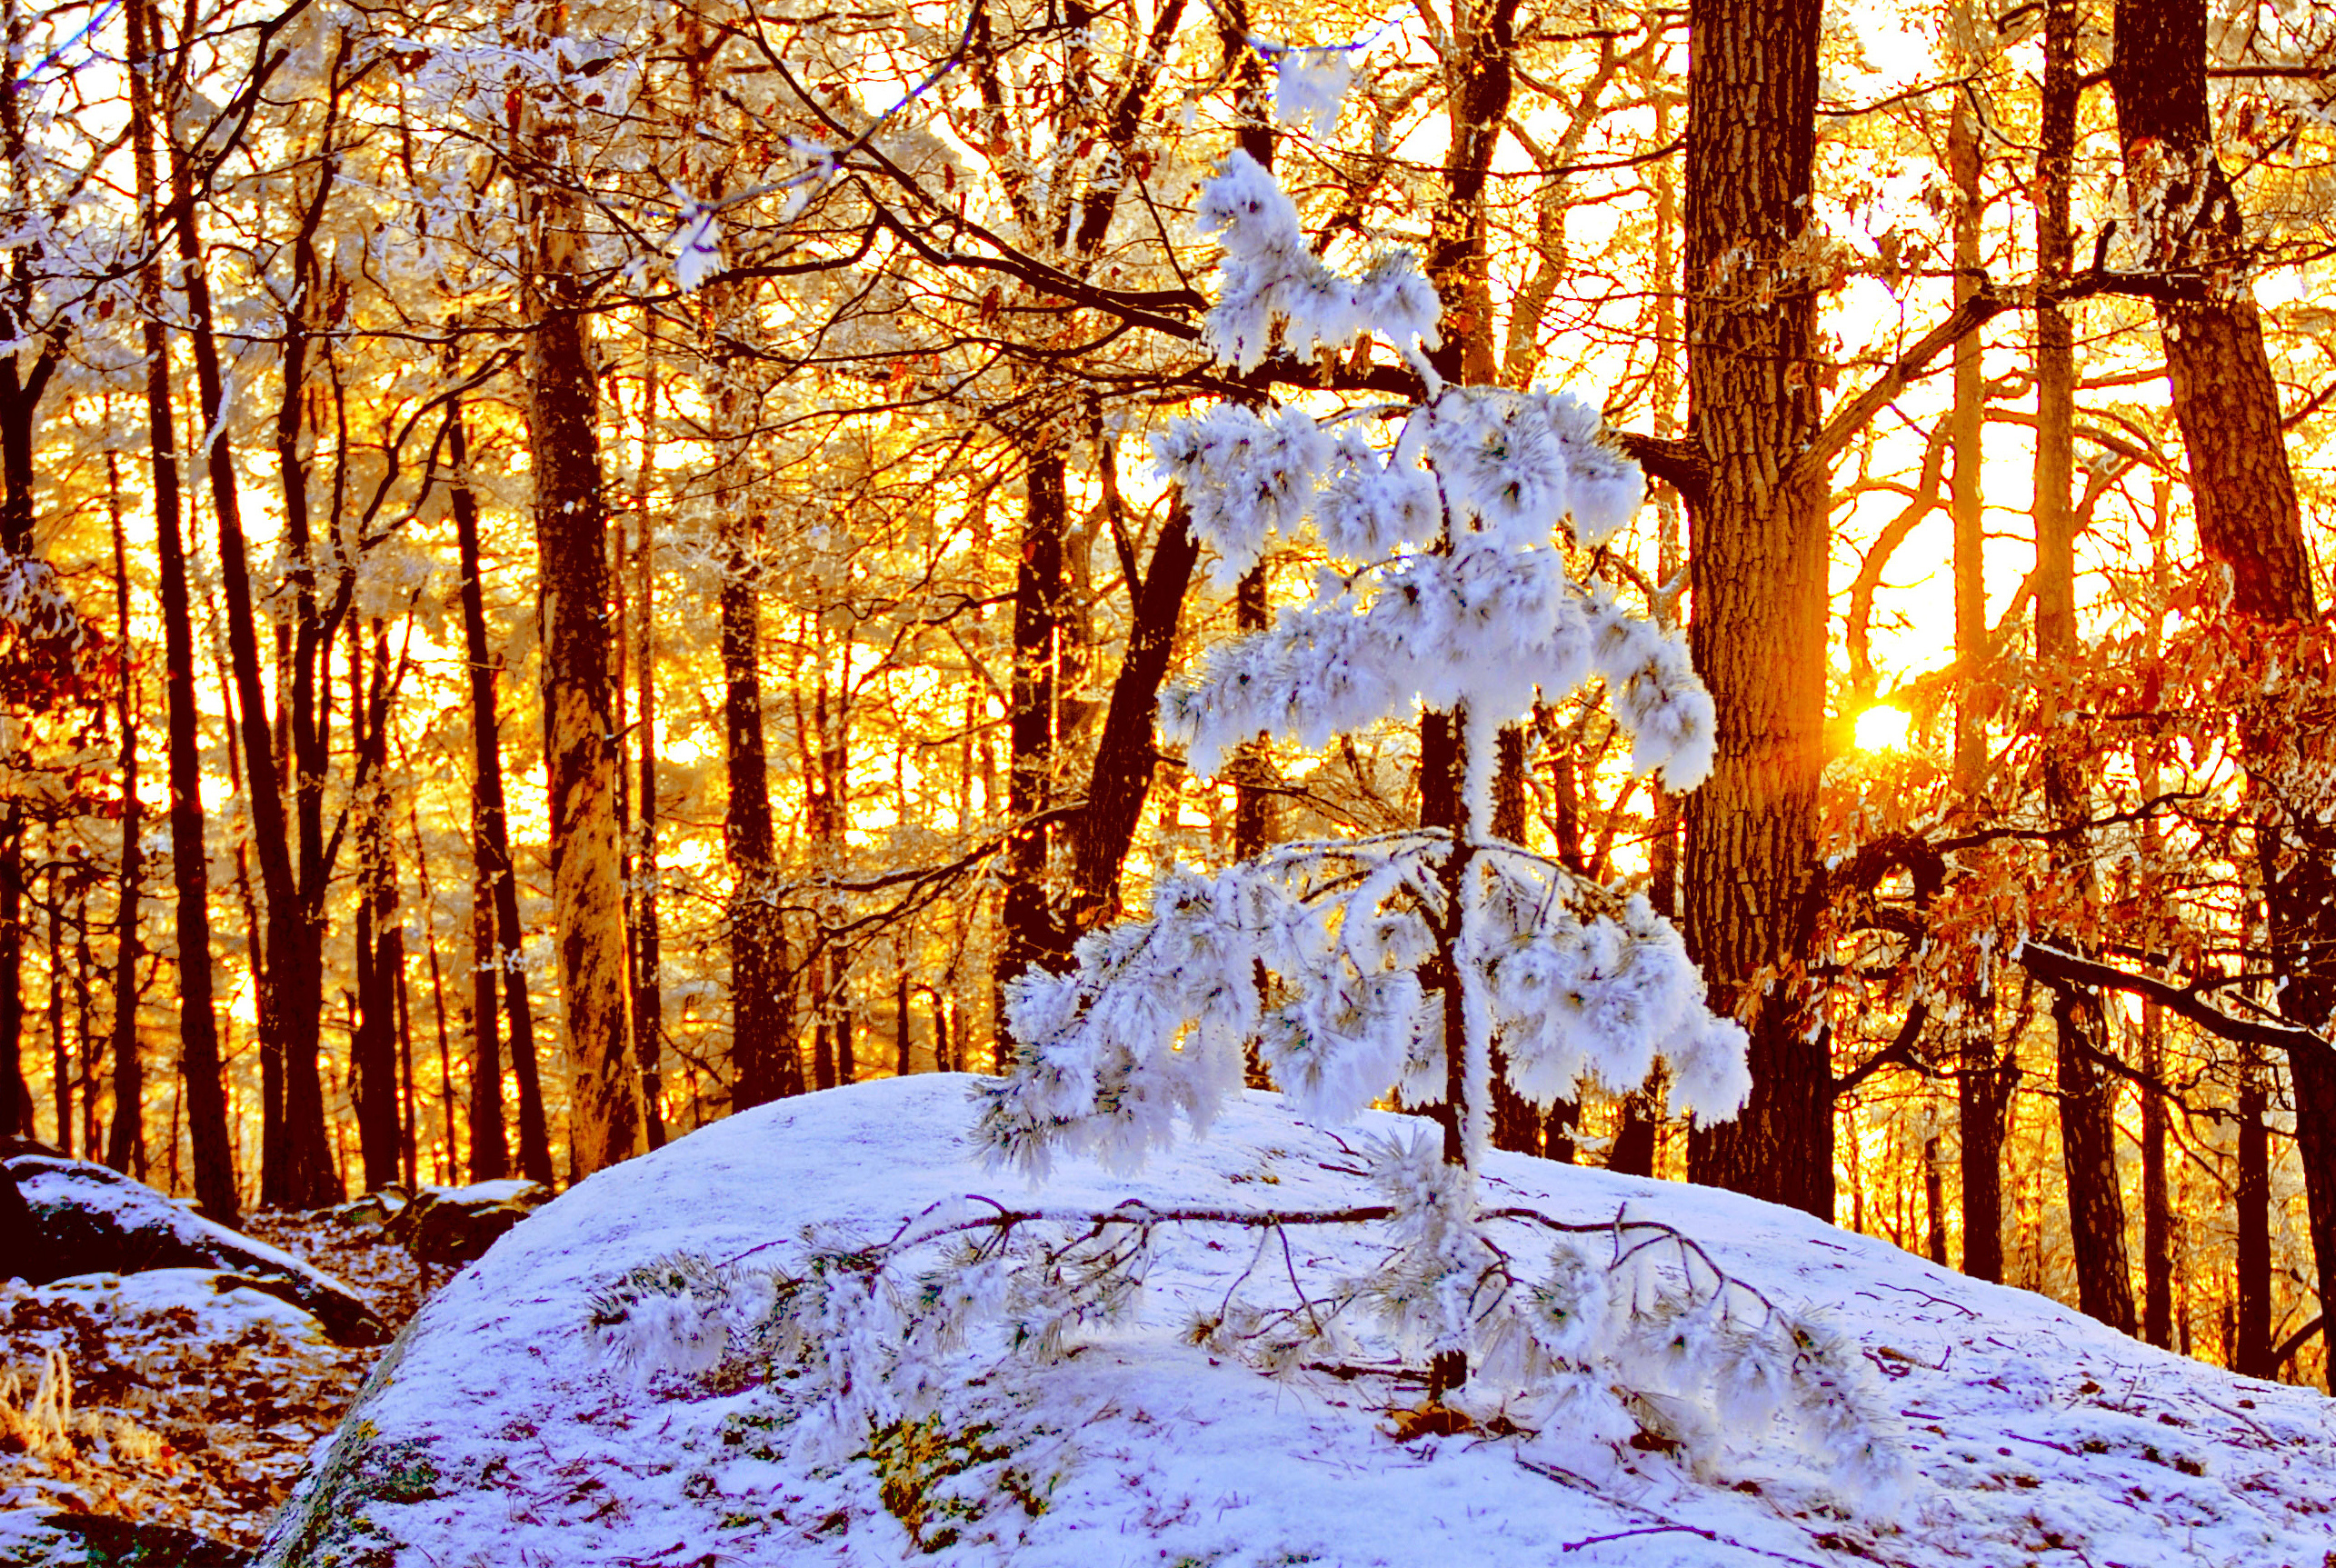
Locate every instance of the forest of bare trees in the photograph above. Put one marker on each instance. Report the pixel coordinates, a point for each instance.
(567, 570)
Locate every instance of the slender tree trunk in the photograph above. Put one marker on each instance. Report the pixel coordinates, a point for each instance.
(453, 1160)
(498, 942)
(60, 1062)
(1978, 1080)
(764, 1059)
(2157, 1207)
(2251, 1354)
(2087, 1096)
(303, 1174)
(1516, 1124)
(373, 1049)
(1253, 825)
(580, 748)
(1758, 571)
(648, 986)
(199, 1067)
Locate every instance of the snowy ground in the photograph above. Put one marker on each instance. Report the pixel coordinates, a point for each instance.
(499, 1431)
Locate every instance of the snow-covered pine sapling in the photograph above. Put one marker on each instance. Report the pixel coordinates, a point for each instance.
(1395, 962)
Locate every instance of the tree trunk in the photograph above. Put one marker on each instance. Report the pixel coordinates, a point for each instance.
(764, 1057)
(498, 943)
(1758, 573)
(372, 1049)
(2243, 490)
(2251, 1352)
(2157, 1207)
(648, 987)
(302, 1172)
(2087, 1096)
(1033, 935)
(580, 750)
(1978, 1080)
(1517, 1126)
(199, 1064)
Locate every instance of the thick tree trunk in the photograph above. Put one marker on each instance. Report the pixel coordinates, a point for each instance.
(2243, 490)
(1758, 573)
(579, 746)
(199, 1064)
(498, 942)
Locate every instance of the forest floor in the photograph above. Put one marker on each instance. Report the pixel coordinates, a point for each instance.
(157, 1398)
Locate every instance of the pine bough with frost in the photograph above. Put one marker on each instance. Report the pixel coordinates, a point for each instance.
(1357, 968)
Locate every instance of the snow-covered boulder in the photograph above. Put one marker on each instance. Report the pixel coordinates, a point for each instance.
(456, 1226)
(511, 1424)
(86, 1219)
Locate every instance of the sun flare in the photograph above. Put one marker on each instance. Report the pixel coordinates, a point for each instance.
(1884, 729)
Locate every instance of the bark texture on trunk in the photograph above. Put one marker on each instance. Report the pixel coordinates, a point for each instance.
(580, 748)
(1758, 575)
(2243, 490)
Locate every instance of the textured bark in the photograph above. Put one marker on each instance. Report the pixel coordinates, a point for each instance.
(1982, 1094)
(215, 1177)
(579, 746)
(1758, 573)
(2089, 1160)
(2242, 491)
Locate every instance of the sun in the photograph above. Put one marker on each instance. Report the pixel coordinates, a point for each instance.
(1883, 728)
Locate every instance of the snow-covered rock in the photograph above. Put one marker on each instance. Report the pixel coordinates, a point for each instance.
(89, 1220)
(499, 1428)
(455, 1226)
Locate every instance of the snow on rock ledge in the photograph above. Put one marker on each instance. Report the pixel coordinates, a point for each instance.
(496, 1431)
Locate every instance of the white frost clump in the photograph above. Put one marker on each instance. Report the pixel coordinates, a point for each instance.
(1271, 277)
(1309, 86)
(698, 246)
